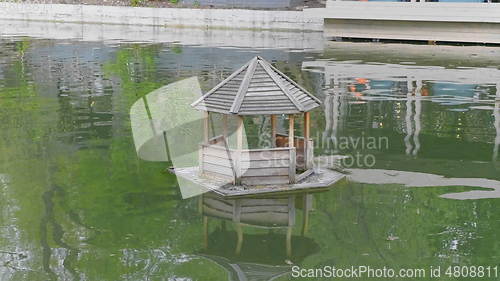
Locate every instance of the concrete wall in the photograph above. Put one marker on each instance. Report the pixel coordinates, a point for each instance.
(452, 22)
(413, 11)
(259, 4)
(171, 17)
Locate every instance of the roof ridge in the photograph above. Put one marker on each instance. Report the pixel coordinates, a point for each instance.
(240, 95)
(269, 70)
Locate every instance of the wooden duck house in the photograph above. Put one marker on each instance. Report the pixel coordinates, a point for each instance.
(258, 89)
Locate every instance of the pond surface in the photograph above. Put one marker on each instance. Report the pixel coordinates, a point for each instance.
(76, 203)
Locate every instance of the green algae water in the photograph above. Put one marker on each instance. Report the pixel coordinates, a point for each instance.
(76, 202)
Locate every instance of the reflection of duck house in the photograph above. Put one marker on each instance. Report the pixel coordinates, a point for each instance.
(265, 213)
(258, 89)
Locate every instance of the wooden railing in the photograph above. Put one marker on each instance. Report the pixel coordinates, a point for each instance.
(248, 166)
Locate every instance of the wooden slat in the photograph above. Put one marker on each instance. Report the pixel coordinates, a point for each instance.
(264, 97)
(270, 103)
(263, 107)
(213, 168)
(304, 175)
(215, 175)
(271, 94)
(230, 87)
(261, 76)
(259, 103)
(217, 203)
(269, 171)
(264, 180)
(233, 75)
(258, 82)
(259, 202)
(265, 220)
(266, 149)
(210, 159)
(210, 101)
(262, 83)
(217, 213)
(265, 155)
(280, 163)
(278, 81)
(219, 98)
(225, 93)
(267, 112)
(264, 89)
(212, 151)
(216, 106)
(265, 209)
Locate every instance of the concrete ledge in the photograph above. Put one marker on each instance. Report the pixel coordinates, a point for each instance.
(413, 11)
(414, 30)
(169, 17)
(427, 21)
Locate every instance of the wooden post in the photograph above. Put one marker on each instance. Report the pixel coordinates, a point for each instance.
(205, 126)
(291, 223)
(205, 232)
(291, 144)
(200, 204)
(238, 226)
(201, 159)
(305, 209)
(239, 237)
(239, 147)
(225, 126)
(289, 242)
(273, 130)
(307, 136)
(292, 166)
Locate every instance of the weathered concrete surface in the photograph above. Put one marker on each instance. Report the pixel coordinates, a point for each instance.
(263, 39)
(170, 17)
(433, 21)
(255, 4)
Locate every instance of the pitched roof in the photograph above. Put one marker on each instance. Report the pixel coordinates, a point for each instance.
(257, 88)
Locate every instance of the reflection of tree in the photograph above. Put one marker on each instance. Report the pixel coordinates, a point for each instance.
(27, 124)
(91, 211)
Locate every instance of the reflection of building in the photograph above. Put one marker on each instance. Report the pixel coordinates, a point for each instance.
(431, 112)
(248, 256)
